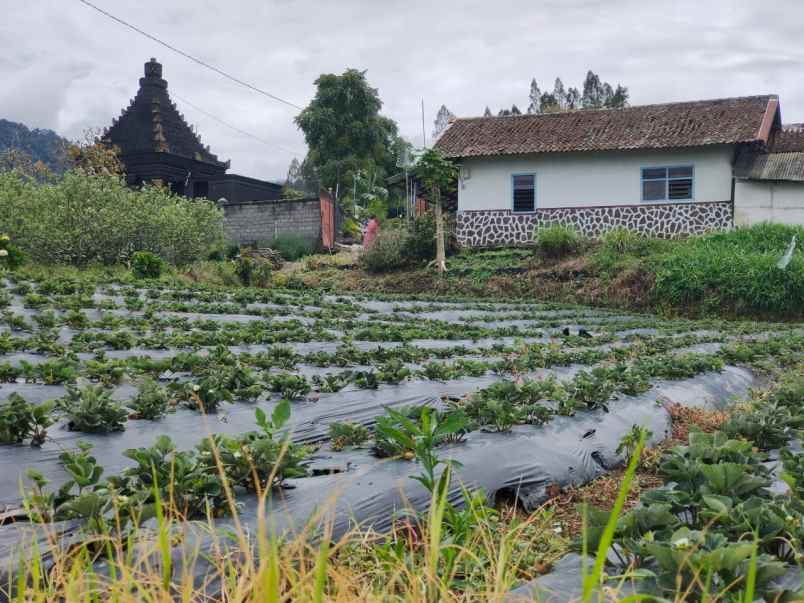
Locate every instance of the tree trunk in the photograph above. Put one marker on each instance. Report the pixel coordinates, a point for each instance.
(441, 256)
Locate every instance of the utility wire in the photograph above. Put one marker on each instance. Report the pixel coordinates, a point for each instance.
(189, 56)
(235, 128)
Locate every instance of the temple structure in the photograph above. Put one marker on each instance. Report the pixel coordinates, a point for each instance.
(156, 144)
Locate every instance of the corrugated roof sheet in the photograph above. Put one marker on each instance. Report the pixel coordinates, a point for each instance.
(771, 166)
(687, 124)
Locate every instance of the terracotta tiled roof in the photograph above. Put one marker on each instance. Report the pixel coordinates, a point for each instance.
(789, 138)
(688, 124)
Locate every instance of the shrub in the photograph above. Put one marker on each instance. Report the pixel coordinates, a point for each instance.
(253, 271)
(557, 241)
(351, 229)
(421, 243)
(735, 271)
(348, 434)
(145, 264)
(622, 240)
(387, 252)
(291, 246)
(11, 257)
(81, 218)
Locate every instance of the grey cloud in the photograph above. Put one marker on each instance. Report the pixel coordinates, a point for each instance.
(65, 66)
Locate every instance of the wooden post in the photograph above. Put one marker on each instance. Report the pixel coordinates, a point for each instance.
(441, 256)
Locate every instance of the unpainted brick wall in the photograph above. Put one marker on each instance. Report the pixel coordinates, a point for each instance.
(261, 221)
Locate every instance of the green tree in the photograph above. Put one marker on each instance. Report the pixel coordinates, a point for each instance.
(345, 132)
(438, 175)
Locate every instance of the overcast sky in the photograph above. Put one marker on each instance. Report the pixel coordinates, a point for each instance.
(64, 66)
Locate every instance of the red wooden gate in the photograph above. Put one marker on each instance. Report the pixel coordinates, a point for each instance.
(327, 220)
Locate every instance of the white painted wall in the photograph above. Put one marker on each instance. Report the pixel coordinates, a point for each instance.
(768, 201)
(589, 179)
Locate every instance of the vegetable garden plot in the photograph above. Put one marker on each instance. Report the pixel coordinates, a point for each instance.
(535, 430)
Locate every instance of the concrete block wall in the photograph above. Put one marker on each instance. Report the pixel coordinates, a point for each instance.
(261, 221)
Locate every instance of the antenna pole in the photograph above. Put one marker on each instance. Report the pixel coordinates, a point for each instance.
(424, 136)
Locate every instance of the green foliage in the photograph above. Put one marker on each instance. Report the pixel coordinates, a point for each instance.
(92, 410)
(253, 271)
(421, 241)
(420, 437)
(735, 271)
(631, 440)
(436, 172)
(292, 387)
(623, 240)
(20, 420)
(343, 434)
(11, 257)
(351, 229)
(291, 246)
(345, 132)
(557, 241)
(145, 264)
(151, 401)
(82, 218)
(388, 252)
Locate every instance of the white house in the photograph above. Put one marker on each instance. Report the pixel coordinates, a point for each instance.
(665, 170)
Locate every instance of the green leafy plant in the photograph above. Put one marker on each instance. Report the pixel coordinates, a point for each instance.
(292, 387)
(291, 246)
(145, 264)
(11, 257)
(557, 241)
(92, 410)
(343, 434)
(151, 402)
(20, 420)
(631, 440)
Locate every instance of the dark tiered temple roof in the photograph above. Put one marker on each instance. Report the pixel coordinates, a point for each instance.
(151, 123)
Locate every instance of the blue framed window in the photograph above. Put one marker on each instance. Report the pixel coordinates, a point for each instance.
(674, 183)
(523, 192)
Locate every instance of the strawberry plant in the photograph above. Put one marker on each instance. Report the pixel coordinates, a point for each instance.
(20, 420)
(92, 410)
(292, 387)
(347, 433)
(151, 402)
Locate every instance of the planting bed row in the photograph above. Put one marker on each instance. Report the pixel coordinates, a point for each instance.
(102, 383)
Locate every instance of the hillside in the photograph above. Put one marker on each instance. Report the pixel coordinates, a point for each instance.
(41, 144)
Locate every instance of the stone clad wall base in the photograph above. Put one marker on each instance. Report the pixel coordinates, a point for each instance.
(499, 228)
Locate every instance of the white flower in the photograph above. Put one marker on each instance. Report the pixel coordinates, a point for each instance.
(3, 253)
(681, 543)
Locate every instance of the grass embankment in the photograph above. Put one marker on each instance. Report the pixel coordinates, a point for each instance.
(724, 274)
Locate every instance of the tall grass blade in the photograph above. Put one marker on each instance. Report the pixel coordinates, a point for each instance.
(593, 579)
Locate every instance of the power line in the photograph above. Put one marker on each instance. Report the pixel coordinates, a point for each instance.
(235, 128)
(189, 56)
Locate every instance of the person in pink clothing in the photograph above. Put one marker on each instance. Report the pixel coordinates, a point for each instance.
(371, 232)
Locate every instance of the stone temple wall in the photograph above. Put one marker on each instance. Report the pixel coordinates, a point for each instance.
(499, 228)
(250, 222)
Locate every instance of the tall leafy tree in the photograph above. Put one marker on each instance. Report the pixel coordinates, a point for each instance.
(560, 95)
(535, 97)
(487, 112)
(619, 98)
(593, 93)
(573, 100)
(438, 175)
(345, 132)
(442, 120)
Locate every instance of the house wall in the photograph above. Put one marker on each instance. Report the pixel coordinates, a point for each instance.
(260, 221)
(592, 192)
(768, 201)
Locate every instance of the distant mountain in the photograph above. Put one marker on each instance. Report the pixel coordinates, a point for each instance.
(42, 145)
